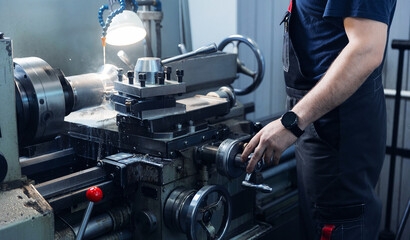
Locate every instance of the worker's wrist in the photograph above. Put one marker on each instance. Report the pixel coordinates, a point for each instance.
(302, 122)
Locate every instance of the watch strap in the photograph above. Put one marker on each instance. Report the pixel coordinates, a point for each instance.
(296, 131)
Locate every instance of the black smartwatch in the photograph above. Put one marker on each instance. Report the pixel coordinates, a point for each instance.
(290, 122)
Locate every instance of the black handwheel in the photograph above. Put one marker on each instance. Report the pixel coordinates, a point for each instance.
(200, 212)
(226, 157)
(256, 76)
(189, 211)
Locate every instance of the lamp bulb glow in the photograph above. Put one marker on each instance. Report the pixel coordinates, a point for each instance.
(126, 28)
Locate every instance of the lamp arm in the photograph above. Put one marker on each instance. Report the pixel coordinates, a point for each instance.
(107, 22)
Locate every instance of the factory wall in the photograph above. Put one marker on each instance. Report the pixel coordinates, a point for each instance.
(207, 23)
(261, 22)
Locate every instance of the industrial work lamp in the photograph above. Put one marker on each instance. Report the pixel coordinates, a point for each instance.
(126, 28)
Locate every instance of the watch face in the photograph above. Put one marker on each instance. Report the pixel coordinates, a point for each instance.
(289, 119)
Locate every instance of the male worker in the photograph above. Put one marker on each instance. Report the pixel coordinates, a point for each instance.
(332, 57)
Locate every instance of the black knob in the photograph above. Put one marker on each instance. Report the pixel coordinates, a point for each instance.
(142, 77)
(160, 78)
(120, 72)
(180, 74)
(1, 35)
(130, 75)
(168, 71)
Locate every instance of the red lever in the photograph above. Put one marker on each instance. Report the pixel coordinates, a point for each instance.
(94, 194)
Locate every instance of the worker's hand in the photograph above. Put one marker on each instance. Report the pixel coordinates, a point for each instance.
(269, 143)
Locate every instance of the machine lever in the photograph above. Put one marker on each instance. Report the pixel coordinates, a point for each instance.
(125, 59)
(202, 50)
(182, 48)
(238, 162)
(246, 183)
(94, 194)
(260, 187)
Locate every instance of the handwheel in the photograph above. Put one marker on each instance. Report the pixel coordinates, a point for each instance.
(189, 211)
(226, 157)
(200, 212)
(256, 76)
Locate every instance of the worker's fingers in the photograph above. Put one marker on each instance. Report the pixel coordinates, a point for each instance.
(250, 147)
(276, 156)
(257, 155)
(268, 156)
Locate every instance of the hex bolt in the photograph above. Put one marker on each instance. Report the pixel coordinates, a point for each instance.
(142, 77)
(168, 71)
(120, 73)
(130, 75)
(160, 78)
(180, 74)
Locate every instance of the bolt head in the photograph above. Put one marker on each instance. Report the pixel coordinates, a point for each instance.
(179, 72)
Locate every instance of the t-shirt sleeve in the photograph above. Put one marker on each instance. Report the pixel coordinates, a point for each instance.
(378, 10)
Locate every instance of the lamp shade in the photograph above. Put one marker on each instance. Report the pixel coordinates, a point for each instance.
(126, 28)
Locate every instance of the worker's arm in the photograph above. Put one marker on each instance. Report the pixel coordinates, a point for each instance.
(361, 56)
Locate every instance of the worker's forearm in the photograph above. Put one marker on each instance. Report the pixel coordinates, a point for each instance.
(343, 78)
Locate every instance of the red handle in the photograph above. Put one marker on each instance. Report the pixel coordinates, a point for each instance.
(94, 194)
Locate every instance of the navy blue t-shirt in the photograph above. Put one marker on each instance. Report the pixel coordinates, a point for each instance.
(318, 34)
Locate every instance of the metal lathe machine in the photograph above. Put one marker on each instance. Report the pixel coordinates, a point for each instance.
(165, 160)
